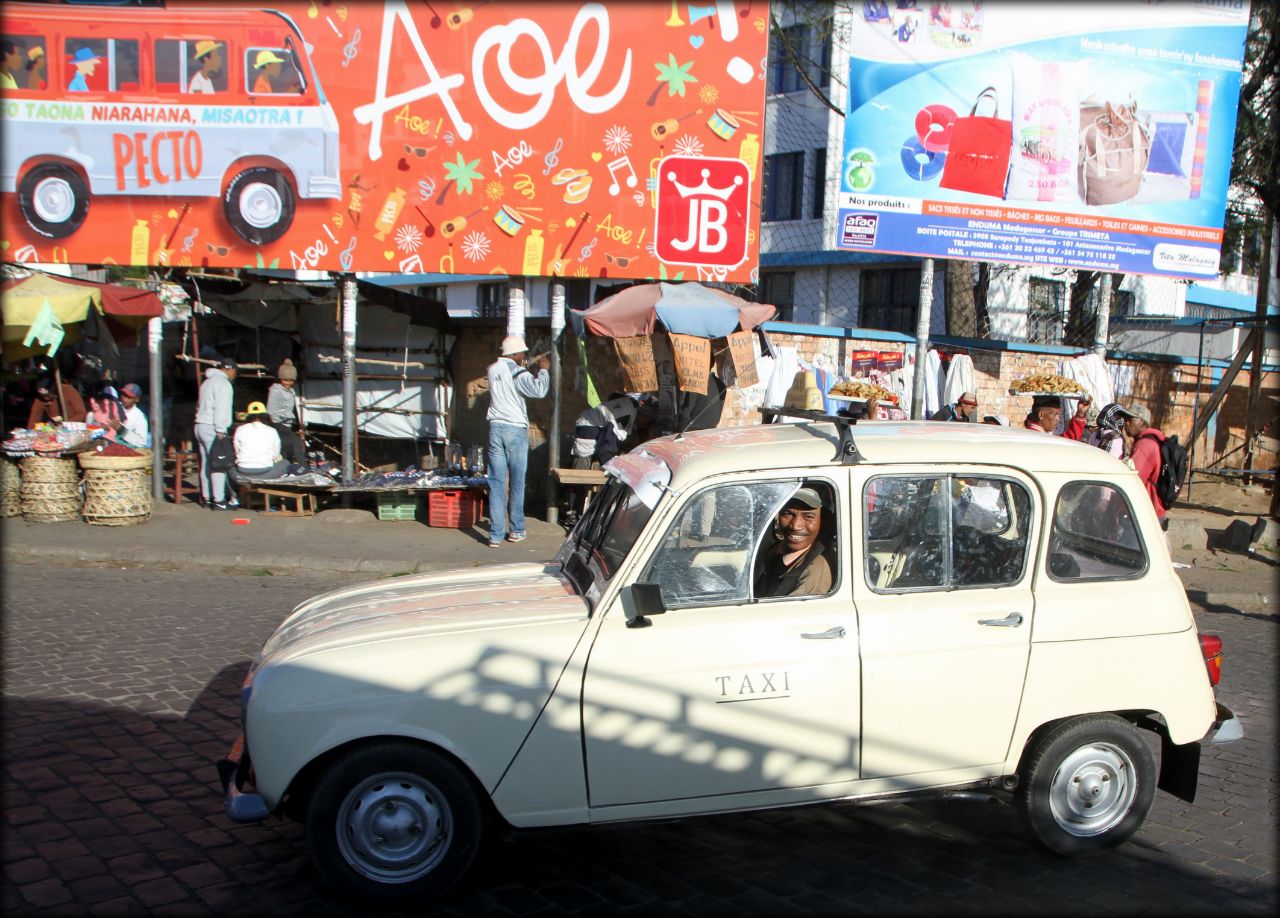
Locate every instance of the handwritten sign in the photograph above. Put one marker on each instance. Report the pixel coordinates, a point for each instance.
(635, 358)
(693, 362)
(469, 138)
(744, 358)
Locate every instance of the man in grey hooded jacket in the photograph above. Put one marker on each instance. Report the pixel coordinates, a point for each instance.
(213, 421)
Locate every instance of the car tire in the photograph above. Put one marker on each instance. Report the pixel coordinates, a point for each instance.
(392, 821)
(54, 199)
(259, 205)
(1087, 785)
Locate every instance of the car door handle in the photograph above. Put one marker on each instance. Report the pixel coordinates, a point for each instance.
(829, 634)
(1012, 620)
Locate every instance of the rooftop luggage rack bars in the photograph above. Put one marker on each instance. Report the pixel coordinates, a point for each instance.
(846, 451)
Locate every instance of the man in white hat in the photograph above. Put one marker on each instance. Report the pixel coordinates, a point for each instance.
(510, 383)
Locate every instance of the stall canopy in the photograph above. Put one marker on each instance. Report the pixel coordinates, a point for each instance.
(683, 309)
(46, 312)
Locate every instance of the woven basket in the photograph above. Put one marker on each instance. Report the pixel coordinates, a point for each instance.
(10, 488)
(50, 490)
(115, 496)
(93, 460)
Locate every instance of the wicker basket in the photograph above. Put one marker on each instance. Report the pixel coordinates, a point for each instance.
(10, 488)
(117, 489)
(50, 490)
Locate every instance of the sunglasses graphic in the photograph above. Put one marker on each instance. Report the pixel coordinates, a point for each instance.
(620, 260)
(420, 152)
(221, 250)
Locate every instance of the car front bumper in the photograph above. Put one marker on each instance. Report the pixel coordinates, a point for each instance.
(235, 773)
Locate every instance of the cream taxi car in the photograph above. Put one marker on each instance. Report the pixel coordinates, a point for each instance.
(1000, 613)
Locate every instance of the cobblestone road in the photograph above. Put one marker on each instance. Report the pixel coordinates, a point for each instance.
(120, 691)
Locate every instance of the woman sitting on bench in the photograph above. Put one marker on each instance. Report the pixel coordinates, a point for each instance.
(257, 446)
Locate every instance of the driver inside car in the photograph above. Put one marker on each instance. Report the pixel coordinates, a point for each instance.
(797, 565)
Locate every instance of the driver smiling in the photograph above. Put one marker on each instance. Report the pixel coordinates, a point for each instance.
(797, 565)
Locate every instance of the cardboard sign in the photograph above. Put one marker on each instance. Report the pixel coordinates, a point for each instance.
(744, 358)
(693, 362)
(472, 138)
(635, 359)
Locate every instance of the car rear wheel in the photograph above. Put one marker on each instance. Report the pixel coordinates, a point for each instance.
(394, 820)
(259, 205)
(1087, 785)
(54, 200)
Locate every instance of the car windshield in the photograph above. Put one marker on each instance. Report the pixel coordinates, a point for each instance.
(605, 534)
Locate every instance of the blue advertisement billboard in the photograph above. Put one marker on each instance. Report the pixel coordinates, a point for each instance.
(1077, 135)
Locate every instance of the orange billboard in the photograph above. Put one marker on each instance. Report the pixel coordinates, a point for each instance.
(567, 139)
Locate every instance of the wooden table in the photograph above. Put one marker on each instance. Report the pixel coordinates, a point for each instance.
(588, 479)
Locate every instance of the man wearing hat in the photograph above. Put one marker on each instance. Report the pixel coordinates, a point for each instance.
(213, 421)
(1046, 412)
(510, 383)
(86, 62)
(1145, 452)
(965, 409)
(257, 446)
(209, 57)
(282, 408)
(797, 565)
(267, 63)
(136, 430)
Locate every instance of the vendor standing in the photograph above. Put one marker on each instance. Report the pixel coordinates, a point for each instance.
(598, 432)
(1046, 413)
(282, 408)
(213, 421)
(69, 406)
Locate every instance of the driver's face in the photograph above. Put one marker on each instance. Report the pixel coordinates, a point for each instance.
(799, 527)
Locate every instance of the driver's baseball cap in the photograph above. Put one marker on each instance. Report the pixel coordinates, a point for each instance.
(807, 496)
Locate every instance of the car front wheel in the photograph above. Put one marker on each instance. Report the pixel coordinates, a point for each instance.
(392, 821)
(1087, 785)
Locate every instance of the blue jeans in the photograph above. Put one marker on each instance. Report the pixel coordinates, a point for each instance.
(508, 458)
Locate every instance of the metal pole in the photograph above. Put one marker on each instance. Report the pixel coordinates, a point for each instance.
(155, 350)
(553, 433)
(922, 337)
(1103, 318)
(1195, 411)
(348, 289)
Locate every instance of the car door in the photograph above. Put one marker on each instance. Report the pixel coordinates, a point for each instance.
(724, 693)
(945, 608)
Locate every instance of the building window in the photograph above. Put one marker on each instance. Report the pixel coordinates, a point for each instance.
(1122, 302)
(819, 185)
(491, 300)
(890, 299)
(783, 186)
(778, 288)
(1046, 301)
(786, 46)
(827, 38)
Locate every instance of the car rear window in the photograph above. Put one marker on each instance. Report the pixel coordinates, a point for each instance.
(1094, 535)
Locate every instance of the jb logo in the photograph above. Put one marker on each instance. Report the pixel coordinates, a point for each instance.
(702, 211)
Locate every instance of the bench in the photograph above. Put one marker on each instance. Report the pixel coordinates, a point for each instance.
(292, 503)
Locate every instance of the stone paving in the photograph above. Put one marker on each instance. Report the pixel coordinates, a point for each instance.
(121, 690)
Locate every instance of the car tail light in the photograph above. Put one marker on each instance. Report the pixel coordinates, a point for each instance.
(1211, 650)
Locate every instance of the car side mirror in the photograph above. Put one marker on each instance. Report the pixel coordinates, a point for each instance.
(641, 600)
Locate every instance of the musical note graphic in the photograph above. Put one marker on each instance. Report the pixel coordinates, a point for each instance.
(314, 11)
(190, 239)
(623, 161)
(552, 159)
(349, 49)
(336, 30)
(585, 252)
(429, 229)
(345, 256)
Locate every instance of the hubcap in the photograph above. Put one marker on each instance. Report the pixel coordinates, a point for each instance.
(260, 205)
(54, 200)
(394, 827)
(1093, 789)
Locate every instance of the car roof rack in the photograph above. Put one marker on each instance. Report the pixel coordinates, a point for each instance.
(846, 451)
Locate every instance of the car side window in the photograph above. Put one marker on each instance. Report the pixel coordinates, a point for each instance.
(944, 532)
(706, 557)
(1094, 535)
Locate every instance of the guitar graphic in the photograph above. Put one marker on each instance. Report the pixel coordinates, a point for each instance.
(557, 264)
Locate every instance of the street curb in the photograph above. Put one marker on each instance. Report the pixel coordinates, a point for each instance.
(185, 560)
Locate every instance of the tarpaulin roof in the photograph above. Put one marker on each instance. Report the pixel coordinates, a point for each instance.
(22, 302)
(685, 309)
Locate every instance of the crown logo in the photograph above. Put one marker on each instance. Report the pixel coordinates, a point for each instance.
(706, 188)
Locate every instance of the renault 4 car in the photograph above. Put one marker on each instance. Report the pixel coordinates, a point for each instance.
(977, 607)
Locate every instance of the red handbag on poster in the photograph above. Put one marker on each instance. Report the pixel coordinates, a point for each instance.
(978, 155)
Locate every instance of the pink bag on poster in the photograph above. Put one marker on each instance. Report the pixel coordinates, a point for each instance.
(978, 155)
(1114, 148)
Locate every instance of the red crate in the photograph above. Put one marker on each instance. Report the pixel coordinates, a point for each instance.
(454, 509)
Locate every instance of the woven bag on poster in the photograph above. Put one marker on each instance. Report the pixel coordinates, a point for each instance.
(1114, 147)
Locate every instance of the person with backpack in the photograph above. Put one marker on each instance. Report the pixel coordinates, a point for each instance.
(1146, 453)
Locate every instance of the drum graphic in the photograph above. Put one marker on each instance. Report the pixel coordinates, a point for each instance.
(509, 221)
(722, 124)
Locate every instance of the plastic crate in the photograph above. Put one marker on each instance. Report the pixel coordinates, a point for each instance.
(397, 505)
(454, 509)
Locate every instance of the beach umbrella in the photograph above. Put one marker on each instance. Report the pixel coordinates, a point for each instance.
(683, 309)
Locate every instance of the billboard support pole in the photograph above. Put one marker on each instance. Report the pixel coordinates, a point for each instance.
(553, 431)
(922, 337)
(1102, 320)
(348, 292)
(155, 339)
